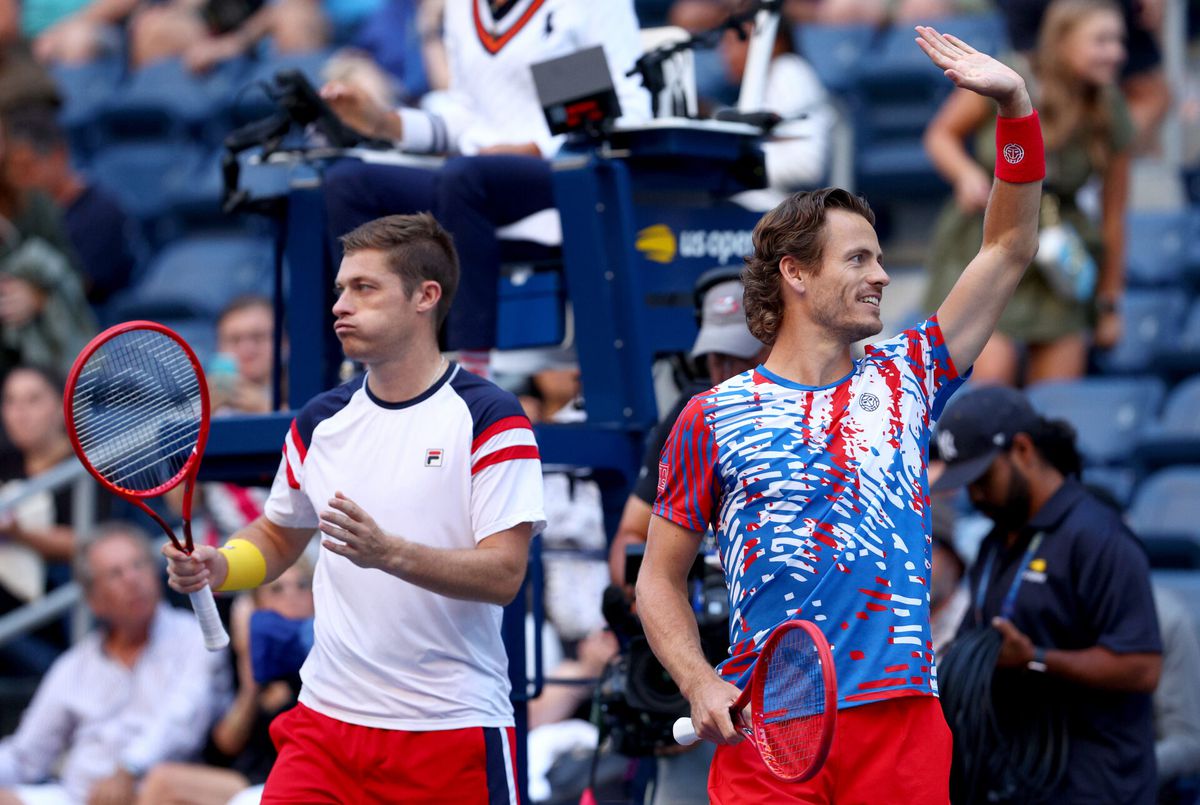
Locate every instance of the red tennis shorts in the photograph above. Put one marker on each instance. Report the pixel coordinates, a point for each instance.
(892, 752)
(323, 760)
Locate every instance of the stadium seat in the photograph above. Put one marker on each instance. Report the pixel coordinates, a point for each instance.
(1179, 356)
(1175, 437)
(1114, 482)
(85, 90)
(1152, 320)
(147, 177)
(836, 51)
(1108, 413)
(895, 93)
(197, 276)
(1154, 248)
(164, 100)
(1166, 514)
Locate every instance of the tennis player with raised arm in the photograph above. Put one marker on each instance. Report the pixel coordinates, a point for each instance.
(811, 469)
(425, 482)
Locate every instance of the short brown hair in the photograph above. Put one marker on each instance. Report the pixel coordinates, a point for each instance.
(795, 227)
(417, 249)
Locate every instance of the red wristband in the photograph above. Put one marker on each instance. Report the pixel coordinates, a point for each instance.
(1020, 155)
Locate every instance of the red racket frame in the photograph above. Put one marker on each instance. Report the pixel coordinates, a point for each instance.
(187, 473)
(753, 695)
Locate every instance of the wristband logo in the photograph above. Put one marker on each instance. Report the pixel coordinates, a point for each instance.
(1013, 154)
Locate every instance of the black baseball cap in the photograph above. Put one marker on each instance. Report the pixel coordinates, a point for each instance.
(976, 428)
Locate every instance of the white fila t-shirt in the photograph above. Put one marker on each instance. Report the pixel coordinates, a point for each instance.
(448, 469)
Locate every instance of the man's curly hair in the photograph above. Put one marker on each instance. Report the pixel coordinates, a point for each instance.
(795, 227)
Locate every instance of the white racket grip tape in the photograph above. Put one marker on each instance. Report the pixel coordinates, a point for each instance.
(684, 732)
(205, 608)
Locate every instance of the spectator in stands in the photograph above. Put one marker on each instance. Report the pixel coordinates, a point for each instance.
(1067, 586)
(44, 316)
(239, 381)
(1143, 81)
(797, 152)
(876, 12)
(22, 80)
(492, 125)
(245, 337)
(75, 32)
(131, 694)
(1177, 700)
(36, 539)
(101, 233)
(1087, 134)
(216, 31)
(726, 348)
(240, 739)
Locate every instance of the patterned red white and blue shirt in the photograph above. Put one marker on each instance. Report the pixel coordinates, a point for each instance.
(818, 498)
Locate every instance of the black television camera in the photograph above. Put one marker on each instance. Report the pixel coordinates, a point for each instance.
(636, 698)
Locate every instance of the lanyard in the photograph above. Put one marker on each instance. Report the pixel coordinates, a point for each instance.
(1008, 607)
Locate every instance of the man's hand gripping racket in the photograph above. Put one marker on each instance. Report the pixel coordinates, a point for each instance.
(792, 697)
(137, 412)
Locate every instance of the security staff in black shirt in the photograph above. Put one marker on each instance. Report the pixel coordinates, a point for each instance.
(1067, 586)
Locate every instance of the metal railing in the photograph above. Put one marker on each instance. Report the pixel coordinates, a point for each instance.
(68, 597)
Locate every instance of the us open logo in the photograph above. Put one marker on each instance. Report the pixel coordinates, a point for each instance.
(1013, 153)
(433, 458)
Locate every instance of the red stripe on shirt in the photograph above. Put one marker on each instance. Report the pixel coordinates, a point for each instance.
(507, 454)
(301, 450)
(292, 482)
(499, 426)
(245, 502)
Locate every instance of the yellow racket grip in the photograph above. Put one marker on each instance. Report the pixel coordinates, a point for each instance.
(247, 565)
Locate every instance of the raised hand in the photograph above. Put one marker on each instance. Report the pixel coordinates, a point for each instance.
(970, 69)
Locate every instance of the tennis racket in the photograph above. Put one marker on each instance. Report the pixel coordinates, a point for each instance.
(136, 407)
(792, 696)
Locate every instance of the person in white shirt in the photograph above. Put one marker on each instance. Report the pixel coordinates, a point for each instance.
(798, 150)
(491, 124)
(425, 482)
(129, 695)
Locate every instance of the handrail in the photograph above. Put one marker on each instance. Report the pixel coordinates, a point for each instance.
(38, 613)
(57, 476)
(83, 517)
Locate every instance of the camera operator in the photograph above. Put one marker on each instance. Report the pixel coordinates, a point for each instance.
(490, 122)
(726, 348)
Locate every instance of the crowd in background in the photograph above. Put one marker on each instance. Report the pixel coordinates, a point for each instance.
(69, 250)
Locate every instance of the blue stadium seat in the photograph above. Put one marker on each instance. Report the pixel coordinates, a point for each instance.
(1166, 514)
(1153, 319)
(1108, 413)
(164, 100)
(197, 276)
(836, 52)
(1179, 356)
(1175, 437)
(896, 92)
(85, 90)
(147, 176)
(1155, 248)
(1116, 482)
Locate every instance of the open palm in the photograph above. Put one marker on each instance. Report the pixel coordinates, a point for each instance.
(967, 67)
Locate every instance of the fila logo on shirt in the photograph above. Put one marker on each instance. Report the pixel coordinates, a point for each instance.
(433, 457)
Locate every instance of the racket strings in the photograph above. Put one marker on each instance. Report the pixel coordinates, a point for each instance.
(792, 722)
(137, 409)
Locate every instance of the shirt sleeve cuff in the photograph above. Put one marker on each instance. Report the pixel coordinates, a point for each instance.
(422, 132)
